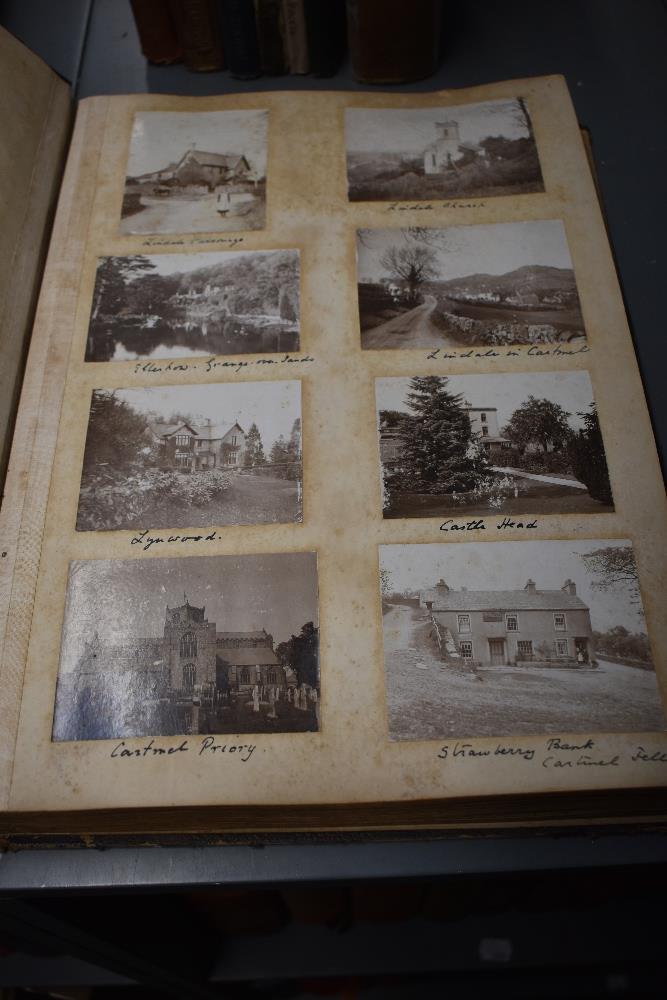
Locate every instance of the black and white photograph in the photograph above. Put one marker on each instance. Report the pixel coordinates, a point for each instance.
(196, 172)
(422, 154)
(503, 284)
(524, 443)
(192, 456)
(516, 638)
(193, 305)
(207, 644)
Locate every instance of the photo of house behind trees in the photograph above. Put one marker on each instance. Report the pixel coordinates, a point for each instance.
(188, 305)
(511, 444)
(502, 284)
(473, 150)
(196, 171)
(192, 456)
(178, 647)
(516, 638)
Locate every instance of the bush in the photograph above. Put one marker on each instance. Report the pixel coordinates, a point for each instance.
(117, 501)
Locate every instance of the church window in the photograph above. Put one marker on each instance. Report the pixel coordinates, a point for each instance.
(189, 676)
(188, 646)
(485, 431)
(482, 417)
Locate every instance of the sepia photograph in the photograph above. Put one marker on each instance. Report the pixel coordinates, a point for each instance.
(192, 456)
(503, 284)
(524, 443)
(516, 638)
(174, 647)
(188, 305)
(419, 154)
(196, 172)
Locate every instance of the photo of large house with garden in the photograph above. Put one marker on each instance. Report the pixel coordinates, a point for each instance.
(189, 456)
(143, 655)
(527, 443)
(191, 172)
(471, 150)
(194, 305)
(496, 285)
(516, 637)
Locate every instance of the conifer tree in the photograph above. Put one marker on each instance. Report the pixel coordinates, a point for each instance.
(438, 441)
(254, 449)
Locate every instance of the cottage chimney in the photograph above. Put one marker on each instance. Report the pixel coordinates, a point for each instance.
(530, 586)
(441, 585)
(570, 587)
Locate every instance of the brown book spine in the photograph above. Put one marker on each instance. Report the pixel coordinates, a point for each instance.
(392, 41)
(296, 41)
(197, 27)
(157, 32)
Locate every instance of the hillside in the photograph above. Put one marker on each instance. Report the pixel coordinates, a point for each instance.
(524, 280)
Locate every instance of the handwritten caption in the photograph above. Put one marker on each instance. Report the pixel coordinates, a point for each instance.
(511, 352)
(147, 541)
(477, 524)
(556, 753)
(228, 241)
(205, 747)
(213, 364)
(428, 206)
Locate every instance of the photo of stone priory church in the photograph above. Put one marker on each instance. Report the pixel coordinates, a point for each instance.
(134, 662)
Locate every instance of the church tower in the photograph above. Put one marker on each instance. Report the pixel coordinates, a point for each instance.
(440, 154)
(189, 640)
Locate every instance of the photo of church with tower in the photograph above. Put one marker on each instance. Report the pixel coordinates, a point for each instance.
(195, 676)
(463, 151)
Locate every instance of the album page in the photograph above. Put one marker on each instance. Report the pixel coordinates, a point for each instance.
(345, 485)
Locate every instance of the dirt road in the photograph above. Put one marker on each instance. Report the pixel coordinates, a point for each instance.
(190, 215)
(411, 329)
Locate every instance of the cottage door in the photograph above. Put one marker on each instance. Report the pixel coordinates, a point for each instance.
(497, 651)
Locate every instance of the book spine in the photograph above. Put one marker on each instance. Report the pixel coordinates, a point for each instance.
(269, 15)
(157, 32)
(240, 33)
(325, 32)
(296, 42)
(392, 41)
(198, 30)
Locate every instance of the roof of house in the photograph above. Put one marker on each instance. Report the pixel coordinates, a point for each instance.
(250, 656)
(213, 432)
(502, 600)
(254, 634)
(205, 159)
(163, 429)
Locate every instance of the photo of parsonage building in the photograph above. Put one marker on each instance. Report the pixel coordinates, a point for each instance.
(504, 627)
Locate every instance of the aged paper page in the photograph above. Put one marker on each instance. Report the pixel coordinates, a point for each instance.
(178, 619)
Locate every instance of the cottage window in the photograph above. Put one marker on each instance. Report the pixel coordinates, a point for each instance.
(464, 623)
(512, 623)
(525, 649)
(559, 621)
(183, 461)
(271, 677)
(466, 649)
(233, 439)
(182, 440)
(188, 645)
(245, 676)
(560, 647)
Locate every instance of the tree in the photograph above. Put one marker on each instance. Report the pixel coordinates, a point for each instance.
(413, 264)
(301, 653)
(586, 453)
(385, 582)
(541, 422)
(279, 454)
(615, 567)
(254, 449)
(113, 276)
(438, 442)
(117, 434)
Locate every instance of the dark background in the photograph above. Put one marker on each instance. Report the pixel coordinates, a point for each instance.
(562, 912)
